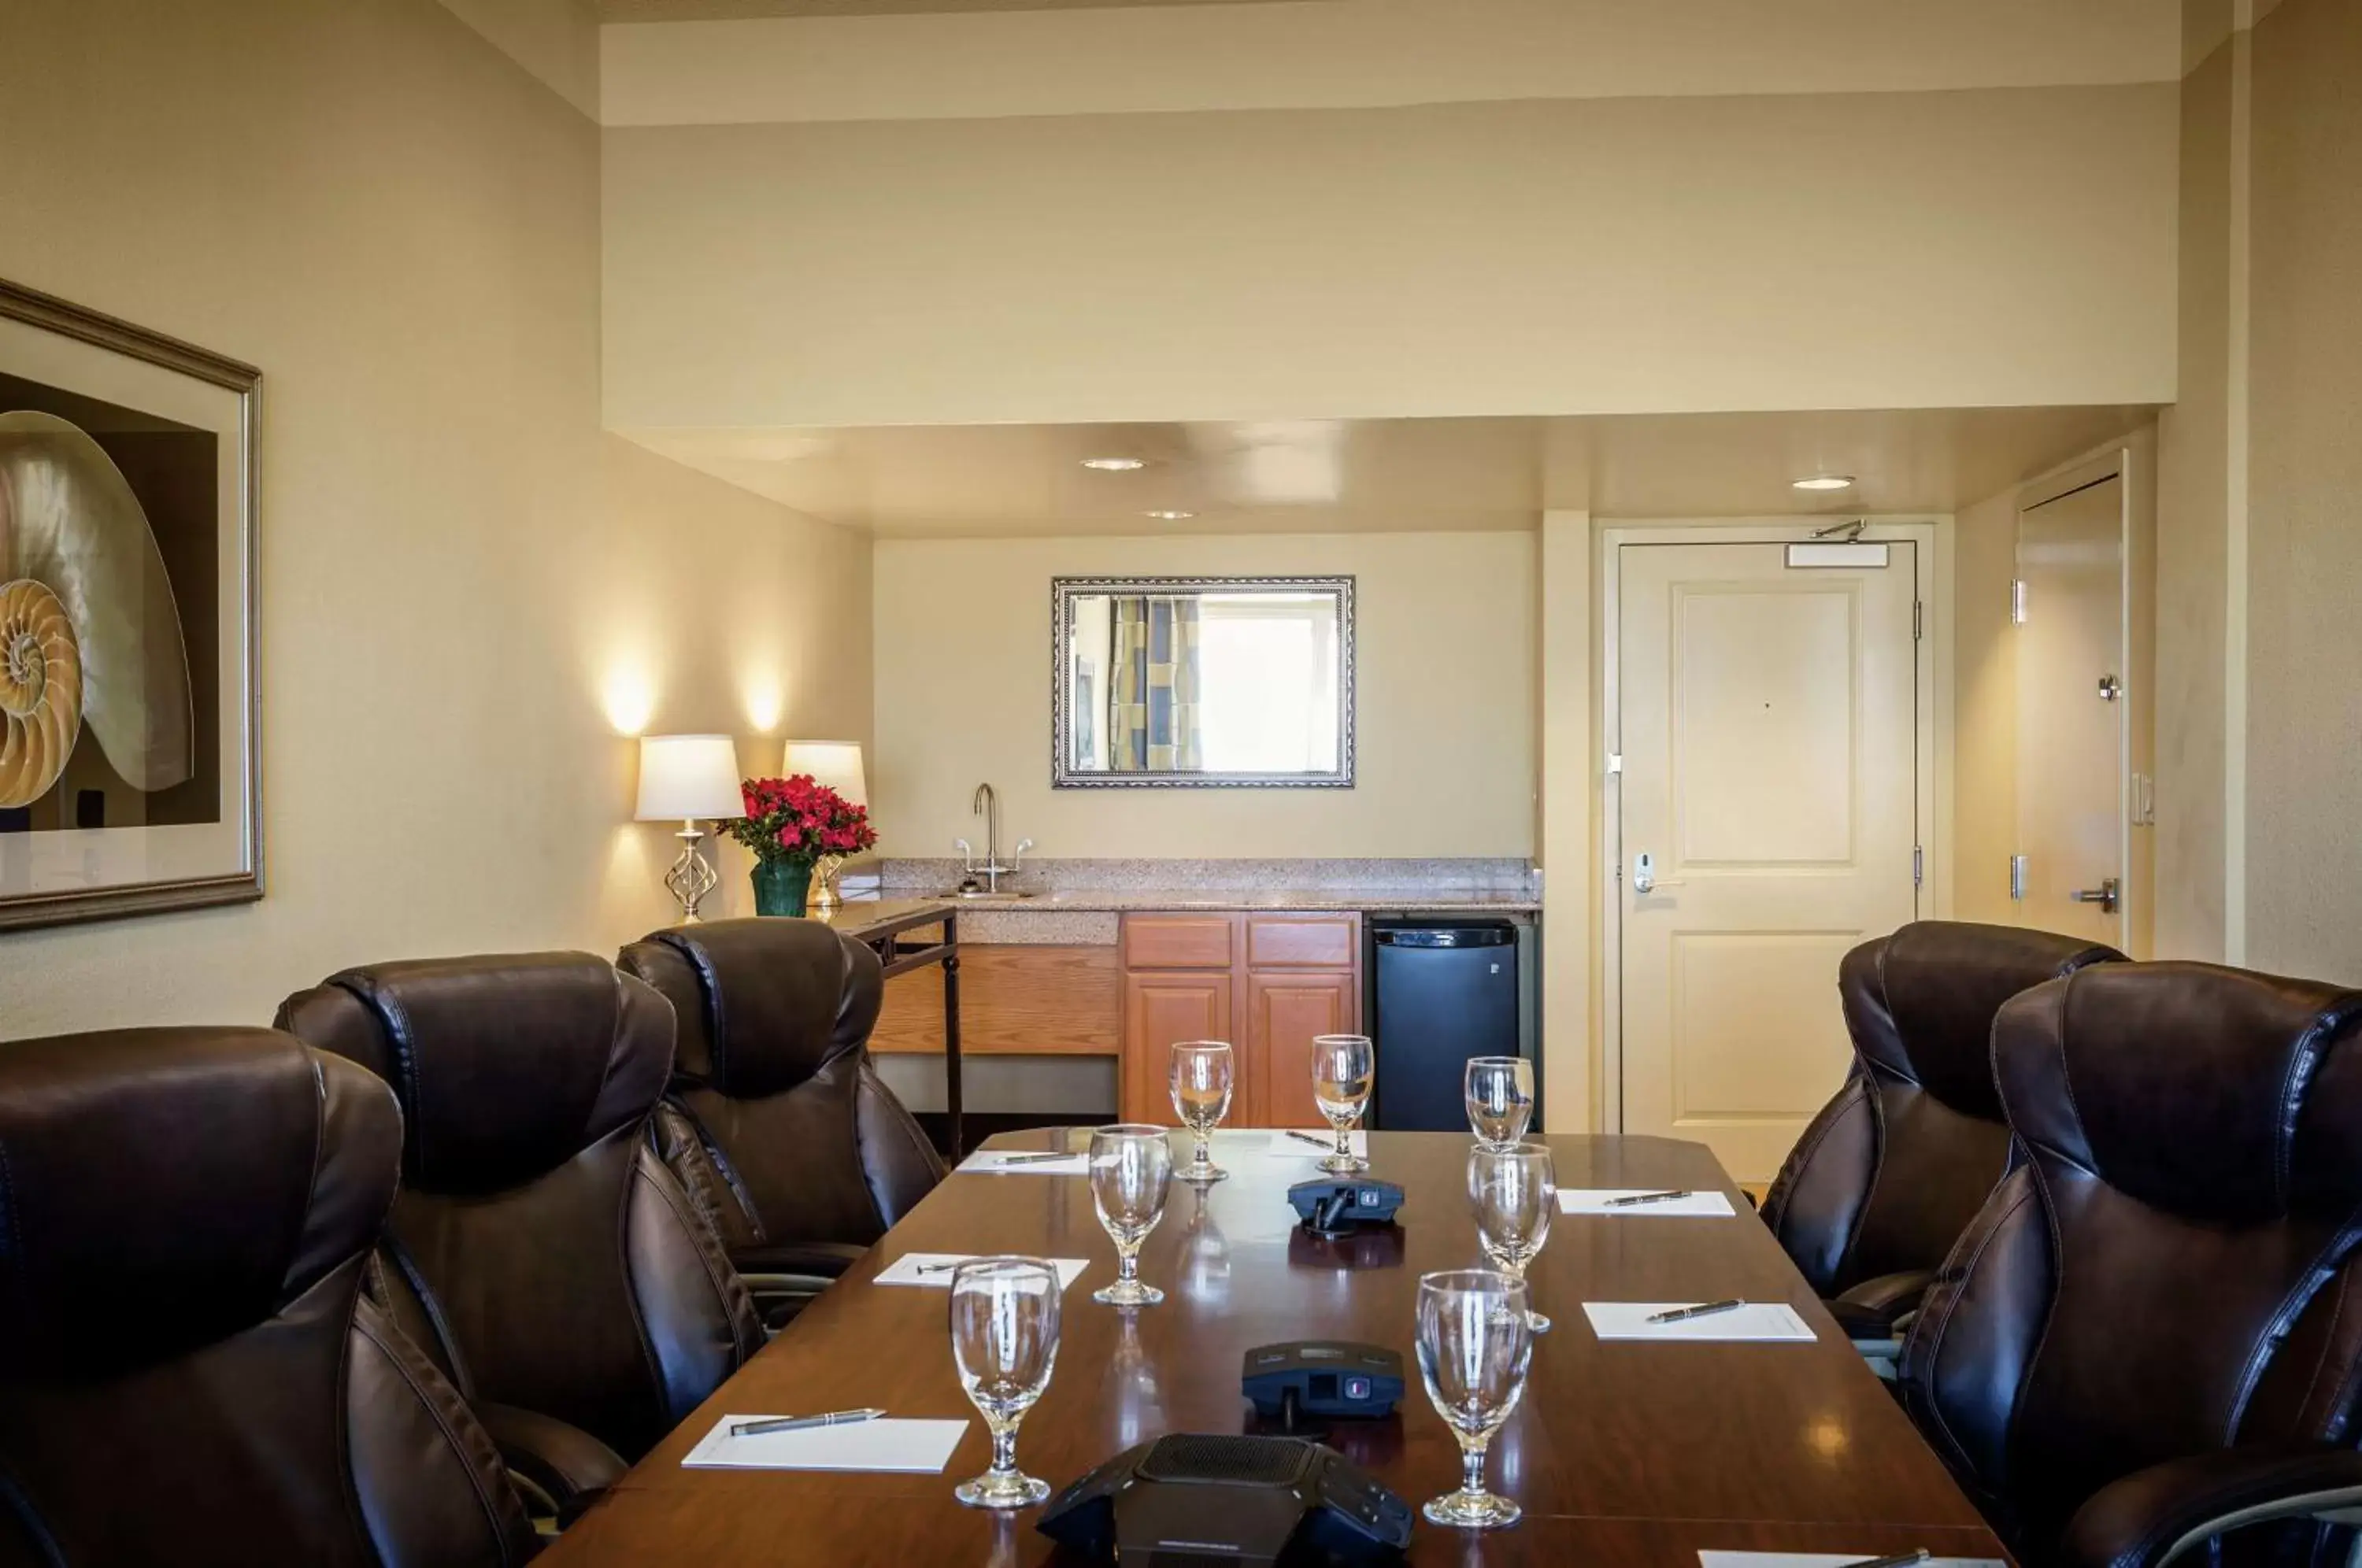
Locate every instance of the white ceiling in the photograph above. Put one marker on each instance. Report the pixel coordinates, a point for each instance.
(1391, 475)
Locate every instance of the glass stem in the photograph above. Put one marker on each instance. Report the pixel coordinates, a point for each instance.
(1203, 1158)
(1344, 1140)
(1127, 1264)
(1004, 1448)
(1472, 1471)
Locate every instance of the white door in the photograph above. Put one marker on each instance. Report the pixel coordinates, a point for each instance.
(2071, 704)
(1767, 716)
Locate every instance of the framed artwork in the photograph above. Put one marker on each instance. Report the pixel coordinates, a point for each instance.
(130, 752)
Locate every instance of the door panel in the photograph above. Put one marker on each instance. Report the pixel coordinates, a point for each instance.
(1284, 1014)
(1159, 1009)
(1768, 722)
(2070, 738)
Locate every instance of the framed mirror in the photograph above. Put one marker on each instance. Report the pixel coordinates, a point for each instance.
(1201, 682)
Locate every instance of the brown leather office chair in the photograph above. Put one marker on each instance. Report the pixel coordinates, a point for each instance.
(2154, 1324)
(777, 1123)
(539, 1249)
(188, 1371)
(1891, 1171)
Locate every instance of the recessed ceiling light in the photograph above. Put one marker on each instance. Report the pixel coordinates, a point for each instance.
(1823, 481)
(1168, 516)
(1114, 465)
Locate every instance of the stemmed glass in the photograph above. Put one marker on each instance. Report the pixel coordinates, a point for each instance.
(1005, 1339)
(1202, 1079)
(1132, 1171)
(1344, 1068)
(1500, 1094)
(1513, 1192)
(1474, 1347)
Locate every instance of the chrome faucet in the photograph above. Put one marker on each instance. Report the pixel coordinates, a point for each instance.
(986, 804)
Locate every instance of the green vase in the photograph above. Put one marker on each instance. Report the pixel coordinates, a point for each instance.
(781, 885)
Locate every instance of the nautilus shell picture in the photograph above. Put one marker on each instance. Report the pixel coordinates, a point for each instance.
(90, 633)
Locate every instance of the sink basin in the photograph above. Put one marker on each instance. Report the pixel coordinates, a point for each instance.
(980, 896)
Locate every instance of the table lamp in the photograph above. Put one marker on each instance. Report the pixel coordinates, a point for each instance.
(684, 778)
(837, 765)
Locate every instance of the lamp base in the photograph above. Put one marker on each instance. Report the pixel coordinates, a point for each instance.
(690, 878)
(826, 896)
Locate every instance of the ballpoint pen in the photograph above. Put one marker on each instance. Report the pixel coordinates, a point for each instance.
(1633, 1199)
(1707, 1309)
(1028, 1159)
(943, 1267)
(1308, 1138)
(801, 1423)
(1900, 1559)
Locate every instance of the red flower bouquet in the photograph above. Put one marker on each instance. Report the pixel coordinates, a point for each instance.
(797, 821)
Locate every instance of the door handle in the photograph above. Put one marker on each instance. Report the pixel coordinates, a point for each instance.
(1644, 875)
(2105, 895)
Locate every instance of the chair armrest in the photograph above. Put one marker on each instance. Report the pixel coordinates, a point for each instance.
(555, 1465)
(824, 1259)
(1889, 1295)
(2151, 1517)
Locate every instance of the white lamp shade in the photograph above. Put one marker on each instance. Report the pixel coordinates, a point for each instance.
(685, 777)
(836, 764)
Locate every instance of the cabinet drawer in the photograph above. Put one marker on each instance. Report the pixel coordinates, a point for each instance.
(1303, 941)
(1177, 941)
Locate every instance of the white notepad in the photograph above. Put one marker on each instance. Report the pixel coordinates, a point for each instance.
(1284, 1147)
(907, 1269)
(998, 1162)
(1593, 1201)
(918, 1447)
(1825, 1560)
(1765, 1322)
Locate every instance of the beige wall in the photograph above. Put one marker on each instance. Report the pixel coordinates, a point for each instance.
(1445, 678)
(2194, 439)
(461, 574)
(1985, 736)
(2304, 873)
(1167, 59)
(2008, 245)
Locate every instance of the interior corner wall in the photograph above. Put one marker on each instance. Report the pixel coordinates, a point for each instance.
(1984, 710)
(468, 592)
(1572, 1097)
(2304, 868)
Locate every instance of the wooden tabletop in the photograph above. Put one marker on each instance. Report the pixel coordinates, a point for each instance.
(1627, 1453)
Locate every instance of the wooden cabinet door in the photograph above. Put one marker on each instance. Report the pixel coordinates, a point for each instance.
(1283, 1013)
(1158, 1010)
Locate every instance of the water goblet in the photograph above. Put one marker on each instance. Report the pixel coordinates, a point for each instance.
(1500, 1094)
(1474, 1348)
(1202, 1081)
(1132, 1171)
(1513, 1192)
(1344, 1068)
(1005, 1342)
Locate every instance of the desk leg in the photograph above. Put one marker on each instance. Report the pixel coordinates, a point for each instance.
(952, 1041)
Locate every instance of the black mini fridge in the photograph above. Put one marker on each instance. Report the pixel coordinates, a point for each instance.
(1444, 991)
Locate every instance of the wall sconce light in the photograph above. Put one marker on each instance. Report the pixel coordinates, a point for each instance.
(685, 779)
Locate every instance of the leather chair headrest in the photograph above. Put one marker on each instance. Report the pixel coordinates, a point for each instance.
(2212, 1093)
(507, 1066)
(161, 1189)
(777, 1000)
(1920, 1003)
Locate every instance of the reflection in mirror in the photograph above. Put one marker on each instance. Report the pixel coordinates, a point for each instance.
(1203, 681)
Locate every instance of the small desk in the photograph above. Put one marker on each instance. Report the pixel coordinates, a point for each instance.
(1622, 1454)
(881, 925)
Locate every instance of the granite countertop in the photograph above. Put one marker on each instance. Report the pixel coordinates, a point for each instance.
(860, 911)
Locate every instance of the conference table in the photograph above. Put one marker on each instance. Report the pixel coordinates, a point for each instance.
(1624, 1452)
